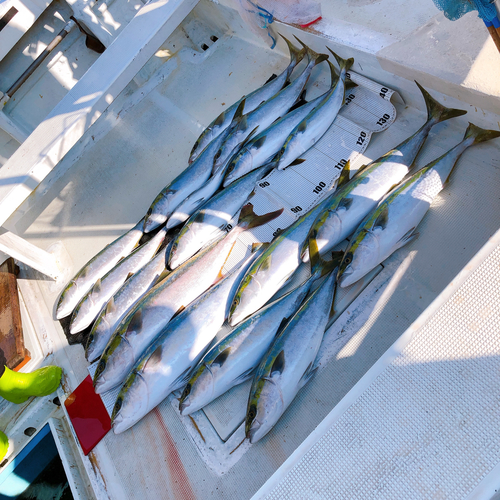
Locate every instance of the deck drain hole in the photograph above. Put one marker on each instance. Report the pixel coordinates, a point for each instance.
(29, 431)
(213, 38)
(56, 401)
(204, 46)
(3, 463)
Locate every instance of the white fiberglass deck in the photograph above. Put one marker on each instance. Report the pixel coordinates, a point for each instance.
(141, 143)
(423, 422)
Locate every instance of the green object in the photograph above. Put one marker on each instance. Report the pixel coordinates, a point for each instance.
(18, 387)
(4, 445)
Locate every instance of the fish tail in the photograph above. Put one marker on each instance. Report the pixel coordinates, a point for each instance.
(319, 266)
(313, 56)
(296, 55)
(436, 111)
(249, 219)
(343, 63)
(480, 134)
(334, 76)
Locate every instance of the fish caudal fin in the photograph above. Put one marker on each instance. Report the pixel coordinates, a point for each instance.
(334, 76)
(249, 219)
(296, 55)
(319, 266)
(343, 63)
(313, 56)
(436, 111)
(480, 134)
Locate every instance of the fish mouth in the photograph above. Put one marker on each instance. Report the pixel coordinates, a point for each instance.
(252, 433)
(183, 407)
(347, 278)
(152, 221)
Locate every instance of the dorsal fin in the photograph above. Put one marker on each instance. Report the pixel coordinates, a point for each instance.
(345, 203)
(110, 306)
(259, 142)
(239, 110)
(220, 119)
(97, 286)
(302, 126)
(298, 161)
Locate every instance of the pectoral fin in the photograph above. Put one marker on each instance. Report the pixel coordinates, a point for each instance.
(382, 219)
(407, 238)
(278, 365)
(222, 357)
(308, 374)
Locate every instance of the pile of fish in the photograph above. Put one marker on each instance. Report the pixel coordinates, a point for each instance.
(155, 309)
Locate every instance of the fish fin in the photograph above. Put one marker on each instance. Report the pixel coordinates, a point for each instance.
(259, 142)
(308, 375)
(247, 140)
(345, 175)
(110, 306)
(360, 169)
(84, 272)
(97, 286)
(332, 308)
(221, 357)
(135, 324)
(239, 111)
(278, 365)
(220, 119)
(244, 376)
(154, 359)
(345, 203)
(407, 238)
(343, 63)
(333, 75)
(161, 276)
(302, 126)
(382, 219)
(435, 110)
(178, 312)
(129, 275)
(243, 123)
(249, 219)
(296, 162)
(271, 78)
(349, 84)
(296, 55)
(313, 56)
(182, 379)
(480, 134)
(318, 265)
(259, 246)
(266, 263)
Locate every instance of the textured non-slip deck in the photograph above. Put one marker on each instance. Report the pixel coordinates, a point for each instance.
(423, 423)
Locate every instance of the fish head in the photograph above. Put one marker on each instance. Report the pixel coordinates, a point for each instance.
(265, 408)
(245, 299)
(131, 403)
(65, 303)
(198, 391)
(81, 314)
(118, 356)
(360, 258)
(182, 247)
(202, 141)
(158, 212)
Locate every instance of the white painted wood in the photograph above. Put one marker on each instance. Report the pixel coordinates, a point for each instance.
(29, 254)
(85, 102)
(7, 125)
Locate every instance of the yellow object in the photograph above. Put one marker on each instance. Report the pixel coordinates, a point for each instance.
(4, 445)
(18, 387)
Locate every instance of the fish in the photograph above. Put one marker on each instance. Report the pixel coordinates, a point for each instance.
(188, 181)
(393, 223)
(128, 295)
(207, 222)
(234, 358)
(362, 194)
(198, 198)
(268, 112)
(274, 267)
(91, 304)
(289, 363)
(310, 130)
(95, 268)
(253, 100)
(264, 146)
(166, 363)
(148, 318)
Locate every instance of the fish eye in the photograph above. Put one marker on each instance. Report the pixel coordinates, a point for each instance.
(348, 260)
(252, 412)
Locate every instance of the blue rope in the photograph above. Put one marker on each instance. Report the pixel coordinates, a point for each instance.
(455, 9)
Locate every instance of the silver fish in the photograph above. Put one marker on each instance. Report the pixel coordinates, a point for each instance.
(289, 363)
(268, 112)
(95, 268)
(205, 224)
(166, 363)
(234, 359)
(118, 306)
(362, 194)
(392, 224)
(274, 267)
(148, 318)
(89, 307)
(267, 143)
(317, 122)
(253, 100)
(191, 179)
